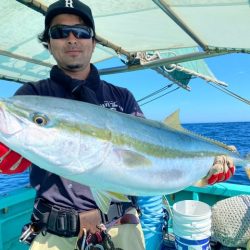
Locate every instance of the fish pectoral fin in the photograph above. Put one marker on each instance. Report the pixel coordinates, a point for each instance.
(104, 198)
(132, 159)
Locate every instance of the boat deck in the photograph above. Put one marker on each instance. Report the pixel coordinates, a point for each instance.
(16, 208)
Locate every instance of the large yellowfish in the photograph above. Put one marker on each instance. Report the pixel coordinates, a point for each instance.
(105, 149)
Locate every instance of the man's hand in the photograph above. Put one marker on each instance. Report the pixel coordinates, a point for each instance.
(223, 168)
(11, 162)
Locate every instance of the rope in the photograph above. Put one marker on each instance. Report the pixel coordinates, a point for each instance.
(155, 92)
(231, 93)
(159, 96)
(152, 220)
(36, 5)
(180, 68)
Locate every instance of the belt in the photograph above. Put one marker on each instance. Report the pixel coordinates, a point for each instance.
(66, 222)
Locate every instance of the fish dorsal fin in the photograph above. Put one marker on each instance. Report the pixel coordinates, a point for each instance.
(173, 121)
(104, 198)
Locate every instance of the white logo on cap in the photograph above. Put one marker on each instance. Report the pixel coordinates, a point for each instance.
(69, 3)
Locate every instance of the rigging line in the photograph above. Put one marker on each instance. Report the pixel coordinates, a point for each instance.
(155, 92)
(159, 96)
(194, 73)
(231, 93)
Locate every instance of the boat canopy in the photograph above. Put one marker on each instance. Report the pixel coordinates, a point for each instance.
(161, 35)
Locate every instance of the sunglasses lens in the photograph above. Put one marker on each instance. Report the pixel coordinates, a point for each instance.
(63, 31)
(82, 33)
(58, 32)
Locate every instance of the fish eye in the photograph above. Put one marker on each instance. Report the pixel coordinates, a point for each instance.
(40, 119)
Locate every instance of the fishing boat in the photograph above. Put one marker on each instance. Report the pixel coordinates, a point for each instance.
(160, 35)
(17, 206)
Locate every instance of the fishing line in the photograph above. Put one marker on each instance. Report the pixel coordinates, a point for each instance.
(159, 96)
(155, 92)
(240, 98)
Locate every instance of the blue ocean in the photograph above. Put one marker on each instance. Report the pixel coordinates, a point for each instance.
(231, 133)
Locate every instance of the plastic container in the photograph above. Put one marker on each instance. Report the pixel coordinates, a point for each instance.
(152, 220)
(192, 225)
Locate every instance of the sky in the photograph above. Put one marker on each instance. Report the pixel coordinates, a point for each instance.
(203, 103)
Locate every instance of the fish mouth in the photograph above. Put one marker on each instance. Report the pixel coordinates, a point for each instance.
(9, 124)
(1, 103)
(3, 125)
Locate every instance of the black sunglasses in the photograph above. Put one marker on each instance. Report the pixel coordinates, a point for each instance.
(63, 31)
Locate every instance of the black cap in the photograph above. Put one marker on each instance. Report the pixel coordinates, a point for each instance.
(75, 7)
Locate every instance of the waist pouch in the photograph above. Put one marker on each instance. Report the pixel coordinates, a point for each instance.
(67, 222)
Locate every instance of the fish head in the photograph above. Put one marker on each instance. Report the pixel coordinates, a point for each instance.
(33, 129)
(9, 124)
(23, 123)
(15, 119)
(47, 131)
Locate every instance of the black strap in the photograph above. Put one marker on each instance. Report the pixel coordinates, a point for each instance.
(64, 221)
(54, 219)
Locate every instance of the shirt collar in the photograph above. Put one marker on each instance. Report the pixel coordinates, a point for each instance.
(92, 81)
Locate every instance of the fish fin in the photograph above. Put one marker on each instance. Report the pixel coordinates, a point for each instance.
(104, 198)
(119, 197)
(247, 169)
(173, 121)
(132, 159)
(201, 183)
(247, 165)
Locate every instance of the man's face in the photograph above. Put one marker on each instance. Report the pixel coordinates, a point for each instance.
(71, 54)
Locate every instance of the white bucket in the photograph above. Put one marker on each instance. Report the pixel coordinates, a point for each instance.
(192, 225)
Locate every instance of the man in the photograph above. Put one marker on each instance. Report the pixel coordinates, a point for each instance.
(69, 35)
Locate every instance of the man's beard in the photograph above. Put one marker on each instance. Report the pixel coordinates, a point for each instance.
(74, 66)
